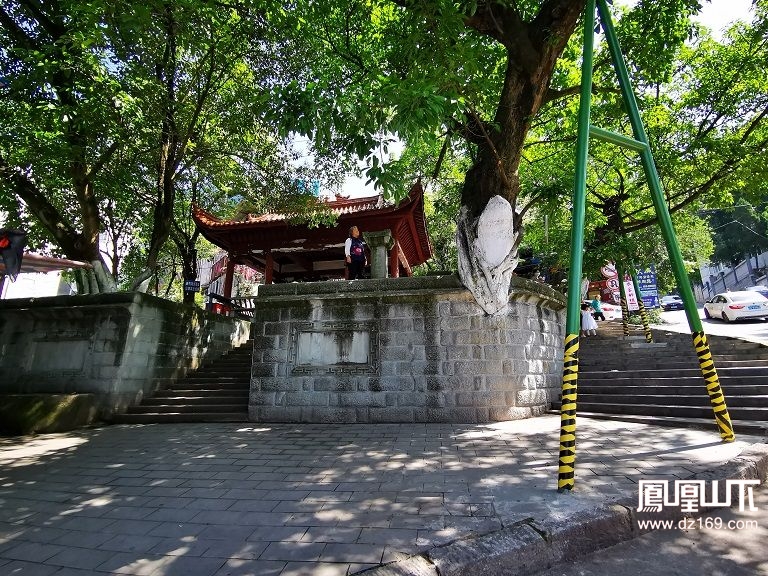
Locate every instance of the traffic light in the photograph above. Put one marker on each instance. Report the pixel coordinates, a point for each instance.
(12, 244)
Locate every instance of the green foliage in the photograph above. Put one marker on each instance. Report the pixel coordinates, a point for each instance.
(376, 68)
(703, 106)
(738, 231)
(122, 115)
(653, 314)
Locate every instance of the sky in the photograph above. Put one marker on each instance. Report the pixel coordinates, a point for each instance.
(716, 15)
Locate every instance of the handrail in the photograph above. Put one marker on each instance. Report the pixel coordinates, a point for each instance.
(240, 306)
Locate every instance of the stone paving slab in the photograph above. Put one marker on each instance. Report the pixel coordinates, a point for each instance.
(237, 499)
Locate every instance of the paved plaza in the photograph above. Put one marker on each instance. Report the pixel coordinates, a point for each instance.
(279, 499)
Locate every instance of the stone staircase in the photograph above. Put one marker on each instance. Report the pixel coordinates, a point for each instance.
(217, 392)
(625, 378)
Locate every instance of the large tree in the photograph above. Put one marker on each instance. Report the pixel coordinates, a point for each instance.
(108, 109)
(431, 69)
(706, 113)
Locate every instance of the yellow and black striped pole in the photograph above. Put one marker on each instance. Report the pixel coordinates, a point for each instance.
(641, 306)
(566, 471)
(566, 466)
(624, 307)
(646, 323)
(715, 392)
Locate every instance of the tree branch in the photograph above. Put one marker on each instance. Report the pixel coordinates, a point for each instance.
(62, 231)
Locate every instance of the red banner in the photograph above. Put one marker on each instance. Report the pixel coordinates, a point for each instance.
(219, 268)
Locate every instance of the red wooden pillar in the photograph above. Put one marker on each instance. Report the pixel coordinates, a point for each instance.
(394, 260)
(269, 265)
(229, 276)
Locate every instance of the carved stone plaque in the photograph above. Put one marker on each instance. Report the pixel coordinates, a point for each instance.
(334, 347)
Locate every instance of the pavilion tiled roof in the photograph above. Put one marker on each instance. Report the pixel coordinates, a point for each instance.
(245, 239)
(338, 207)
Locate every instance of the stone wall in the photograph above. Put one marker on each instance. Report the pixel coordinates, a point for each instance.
(403, 350)
(116, 347)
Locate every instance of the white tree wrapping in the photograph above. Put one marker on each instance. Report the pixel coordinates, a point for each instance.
(487, 254)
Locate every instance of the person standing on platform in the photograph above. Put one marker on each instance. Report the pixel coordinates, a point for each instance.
(354, 251)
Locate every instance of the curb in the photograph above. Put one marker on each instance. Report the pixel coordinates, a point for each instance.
(529, 546)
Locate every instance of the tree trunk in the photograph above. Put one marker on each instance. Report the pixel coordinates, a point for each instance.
(75, 244)
(489, 227)
(189, 268)
(169, 154)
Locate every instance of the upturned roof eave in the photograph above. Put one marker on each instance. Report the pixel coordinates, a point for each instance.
(233, 236)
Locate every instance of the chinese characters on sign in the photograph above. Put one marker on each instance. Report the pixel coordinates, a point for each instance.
(690, 495)
(629, 291)
(646, 282)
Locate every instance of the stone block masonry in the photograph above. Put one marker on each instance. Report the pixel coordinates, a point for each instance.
(403, 350)
(112, 348)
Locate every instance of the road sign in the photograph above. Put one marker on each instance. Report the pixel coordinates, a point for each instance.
(646, 281)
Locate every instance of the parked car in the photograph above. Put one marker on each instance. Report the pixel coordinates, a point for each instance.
(761, 289)
(731, 306)
(672, 303)
(610, 311)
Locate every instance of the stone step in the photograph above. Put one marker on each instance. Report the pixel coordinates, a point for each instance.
(211, 385)
(739, 426)
(168, 418)
(625, 378)
(224, 369)
(722, 372)
(682, 343)
(612, 348)
(700, 400)
(670, 380)
(606, 390)
(223, 378)
(217, 392)
(606, 362)
(667, 363)
(738, 412)
(212, 398)
(188, 408)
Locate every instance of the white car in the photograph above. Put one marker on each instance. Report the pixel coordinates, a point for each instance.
(761, 289)
(731, 306)
(610, 311)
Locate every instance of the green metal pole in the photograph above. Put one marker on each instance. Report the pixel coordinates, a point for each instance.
(641, 307)
(567, 457)
(706, 364)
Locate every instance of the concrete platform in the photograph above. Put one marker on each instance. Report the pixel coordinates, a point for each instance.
(235, 499)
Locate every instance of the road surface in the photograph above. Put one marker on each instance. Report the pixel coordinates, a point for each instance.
(736, 548)
(752, 330)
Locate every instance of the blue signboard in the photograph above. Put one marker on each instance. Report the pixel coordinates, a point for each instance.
(646, 281)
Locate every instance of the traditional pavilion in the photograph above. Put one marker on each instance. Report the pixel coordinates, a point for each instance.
(286, 252)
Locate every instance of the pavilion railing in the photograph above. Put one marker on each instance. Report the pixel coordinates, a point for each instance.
(239, 307)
